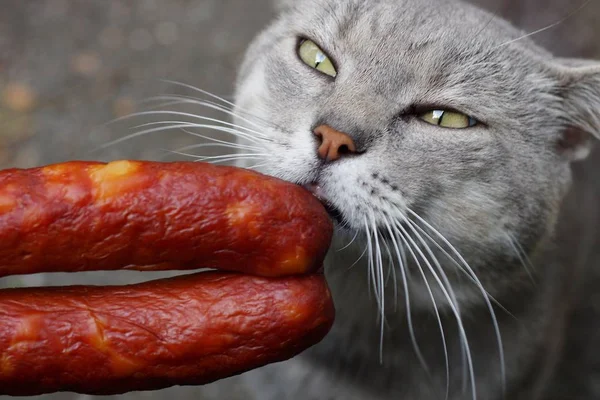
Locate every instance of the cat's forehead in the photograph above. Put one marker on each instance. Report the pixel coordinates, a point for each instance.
(402, 25)
(420, 51)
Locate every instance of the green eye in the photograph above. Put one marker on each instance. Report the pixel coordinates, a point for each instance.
(448, 119)
(314, 57)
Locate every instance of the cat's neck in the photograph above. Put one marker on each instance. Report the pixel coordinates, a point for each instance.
(355, 342)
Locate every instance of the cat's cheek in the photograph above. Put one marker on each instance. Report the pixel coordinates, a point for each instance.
(248, 114)
(250, 93)
(359, 189)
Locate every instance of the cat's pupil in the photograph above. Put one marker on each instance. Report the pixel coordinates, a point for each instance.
(319, 59)
(438, 115)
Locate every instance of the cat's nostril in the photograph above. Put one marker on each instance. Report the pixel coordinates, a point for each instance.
(333, 144)
(319, 137)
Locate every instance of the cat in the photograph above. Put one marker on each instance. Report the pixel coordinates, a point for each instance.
(441, 140)
(439, 62)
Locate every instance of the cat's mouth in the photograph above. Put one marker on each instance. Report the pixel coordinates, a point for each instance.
(334, 212)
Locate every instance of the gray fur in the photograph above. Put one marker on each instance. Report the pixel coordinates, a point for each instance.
(477, 187)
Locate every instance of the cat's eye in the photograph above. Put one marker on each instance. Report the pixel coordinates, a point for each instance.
(448, 119)
(314, 57)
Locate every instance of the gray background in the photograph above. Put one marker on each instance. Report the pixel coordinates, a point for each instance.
(67, 67)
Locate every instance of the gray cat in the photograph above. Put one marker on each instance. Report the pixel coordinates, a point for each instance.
(441, 140)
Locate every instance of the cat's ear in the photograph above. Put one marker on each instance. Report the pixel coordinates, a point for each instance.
(579, 83)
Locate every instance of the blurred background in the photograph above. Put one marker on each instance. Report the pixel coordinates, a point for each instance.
(70, 67)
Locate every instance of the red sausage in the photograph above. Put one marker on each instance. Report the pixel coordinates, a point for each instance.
(188, 330)
(81, 216)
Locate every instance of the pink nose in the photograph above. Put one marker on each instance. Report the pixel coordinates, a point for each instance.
(334, 144)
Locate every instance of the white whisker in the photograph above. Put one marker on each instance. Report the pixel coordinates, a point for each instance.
(359, 257)
(222, 124)
(454, 306)
(403, 266)
(217, 145)
(171, 127)
(224, 161)
(224, 142)
(236, 156)
(371, 264)
(459, 266)
(226, 103)
(522, 255)
(439, 267)
(492, 17)
(414, 228)
(195, 89)
(177, 100)
(255, 166)
(581, 7)
(217, 159)
(391, 272)
(206, 93)
(256, 138)
(480, 287)
(380, 284)
(182, 125)
(349, 244)
(213, 145)
(188, 100)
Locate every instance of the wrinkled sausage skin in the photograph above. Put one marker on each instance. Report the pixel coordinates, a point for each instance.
(81, 216)
(181, 331)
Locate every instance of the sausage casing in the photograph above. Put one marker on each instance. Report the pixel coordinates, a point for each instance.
(188, 330)
(80, 216)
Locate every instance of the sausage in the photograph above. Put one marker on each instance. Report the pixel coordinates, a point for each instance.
(188, 330)
(80, 216)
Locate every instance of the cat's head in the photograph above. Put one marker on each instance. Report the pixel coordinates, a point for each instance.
(450, 119)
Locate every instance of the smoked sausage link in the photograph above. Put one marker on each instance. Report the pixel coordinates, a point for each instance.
(188, 330)
(81, 216)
